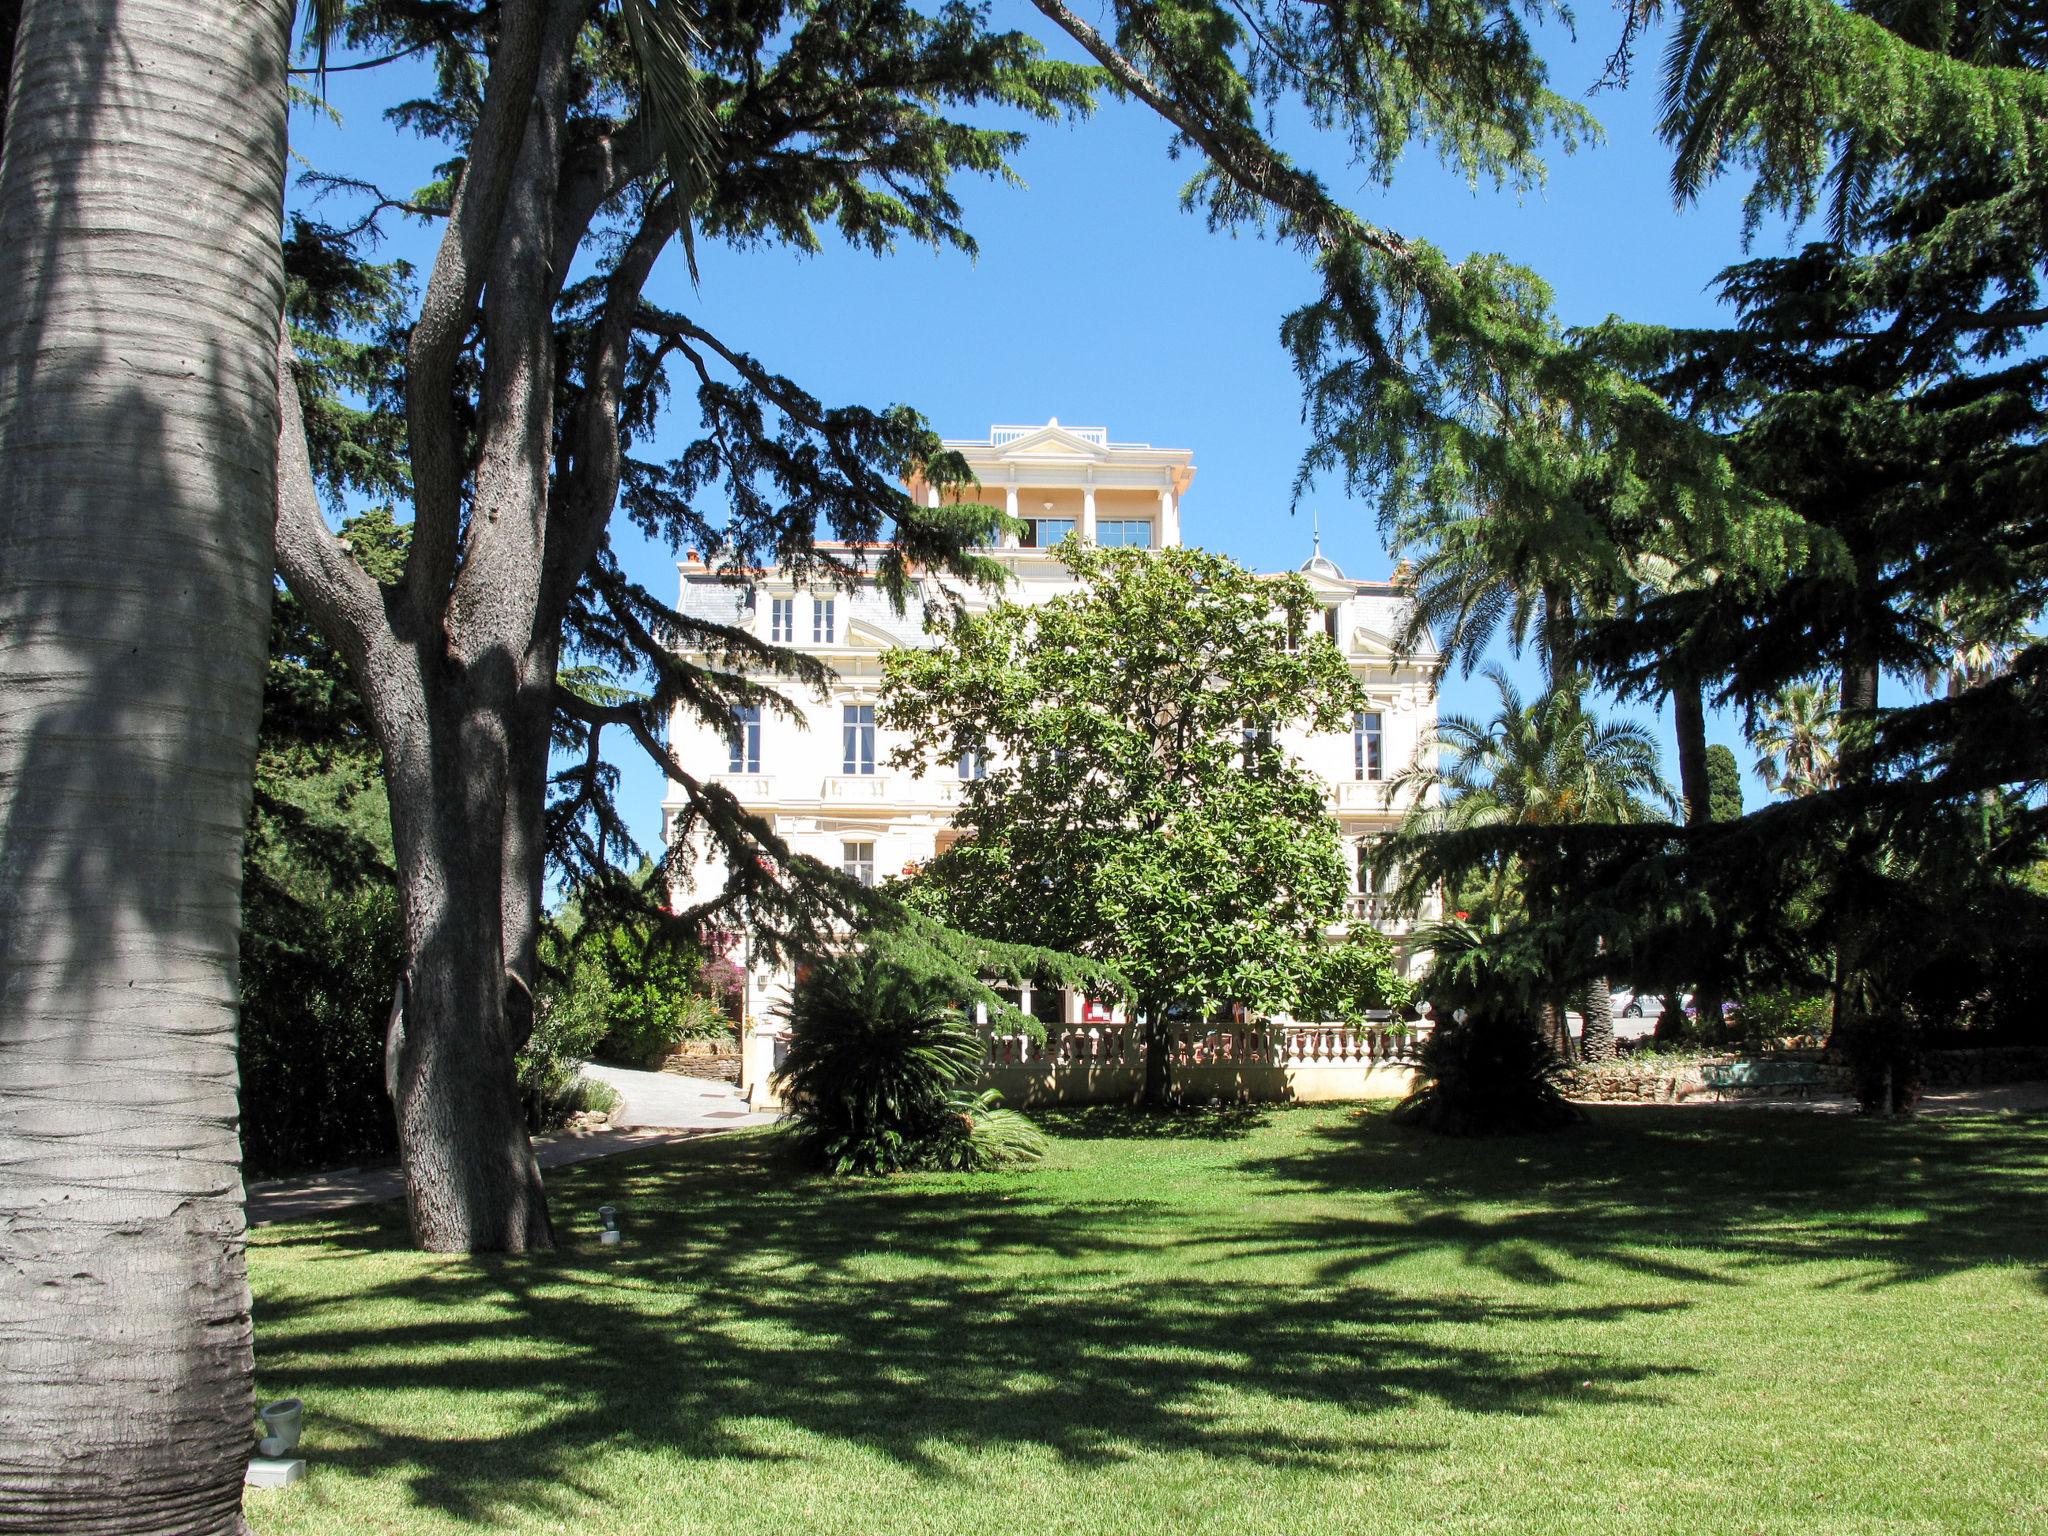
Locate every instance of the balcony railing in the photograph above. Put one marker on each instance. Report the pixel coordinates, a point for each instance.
(859, 786)
(1363, 794)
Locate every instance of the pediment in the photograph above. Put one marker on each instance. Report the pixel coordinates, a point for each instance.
(1327, 586)
(1369, 640)
(861, 634)
(1053, 441)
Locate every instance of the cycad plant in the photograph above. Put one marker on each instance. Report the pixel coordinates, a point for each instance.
(880, 1067)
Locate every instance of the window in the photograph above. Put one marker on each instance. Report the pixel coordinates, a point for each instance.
(860, 738)
(821, 620)
(1330, 622)
(857, 860)
(974, 763)
(1044, 532)
(1124, 533)
(782, 620)
(1365, 745)
(1366, 886)
(746, 741)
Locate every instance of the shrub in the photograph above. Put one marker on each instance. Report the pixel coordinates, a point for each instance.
(1781, 1013)
(1346, 979)
(993, 1135)
(623, 991)
(879, 1062)
(1491, 1075)
(316, 996)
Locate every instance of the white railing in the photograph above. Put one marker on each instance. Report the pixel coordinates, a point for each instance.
(1274, 1044)
(859, 786)
(1000, 435)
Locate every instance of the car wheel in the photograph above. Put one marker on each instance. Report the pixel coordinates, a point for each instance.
(1633, 1011)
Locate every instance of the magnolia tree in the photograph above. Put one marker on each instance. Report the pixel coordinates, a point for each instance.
(1138, 806)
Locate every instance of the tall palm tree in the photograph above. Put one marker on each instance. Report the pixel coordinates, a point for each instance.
(1549, 763)
(1483, 570)
(140, 198)
(1798, 740)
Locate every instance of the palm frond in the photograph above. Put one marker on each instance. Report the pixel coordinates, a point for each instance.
(665, 37)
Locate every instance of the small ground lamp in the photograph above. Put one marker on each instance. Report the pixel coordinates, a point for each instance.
(609, 1215)
(274, 1465)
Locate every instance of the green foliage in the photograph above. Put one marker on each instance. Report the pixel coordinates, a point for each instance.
(879, 1062)
(1505, 973)
(1346, 978)
(623, 986)
(1782, 1012)
(322, 941)
(316, 990)
(551, 1084)
(1724, 784)
(1117, 820)
(1797, 739)
(972, 969)
(1489, 1075)
(1533, 768)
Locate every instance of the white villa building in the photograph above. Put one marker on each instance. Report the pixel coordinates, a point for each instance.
(826, 784)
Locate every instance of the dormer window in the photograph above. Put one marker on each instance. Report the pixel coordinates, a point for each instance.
(1330, 624)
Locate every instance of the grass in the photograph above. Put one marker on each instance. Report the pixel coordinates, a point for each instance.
(1303, 1321)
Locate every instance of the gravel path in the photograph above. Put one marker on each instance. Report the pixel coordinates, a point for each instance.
(658, 1109)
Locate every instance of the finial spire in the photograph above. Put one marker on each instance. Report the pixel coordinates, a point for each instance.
(1315, 519)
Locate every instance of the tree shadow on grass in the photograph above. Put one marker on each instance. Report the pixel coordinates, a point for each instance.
(1642, 1188)
(909, 1320)
(1125, 1122)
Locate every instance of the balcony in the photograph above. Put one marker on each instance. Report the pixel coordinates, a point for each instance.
(1363, 794)
(748, 788)
(1381, 910)
(859, 788)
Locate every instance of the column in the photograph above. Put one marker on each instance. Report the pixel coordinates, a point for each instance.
(1088, 513)
(1010, 506)
(1169, 520)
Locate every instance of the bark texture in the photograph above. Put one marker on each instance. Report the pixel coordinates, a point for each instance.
(140, 199)
(457, 665)
(1596, 1028)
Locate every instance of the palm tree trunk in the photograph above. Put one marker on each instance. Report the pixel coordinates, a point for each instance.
(140, 198)
(1596, 1034)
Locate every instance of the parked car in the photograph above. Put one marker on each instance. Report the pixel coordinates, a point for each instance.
(1630, 1004)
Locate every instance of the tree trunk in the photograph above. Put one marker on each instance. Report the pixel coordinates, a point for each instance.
(1557, 1031)
(1689, 707)
(1858, 719)
(1596, 1034)
(1158, 1059)
(140, 197)
(471, 1182)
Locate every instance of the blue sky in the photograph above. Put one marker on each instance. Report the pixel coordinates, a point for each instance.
(1095, 299)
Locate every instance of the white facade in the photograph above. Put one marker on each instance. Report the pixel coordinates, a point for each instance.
(825, 783)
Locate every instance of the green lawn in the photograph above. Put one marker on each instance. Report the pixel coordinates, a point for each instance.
(1685, 1320)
